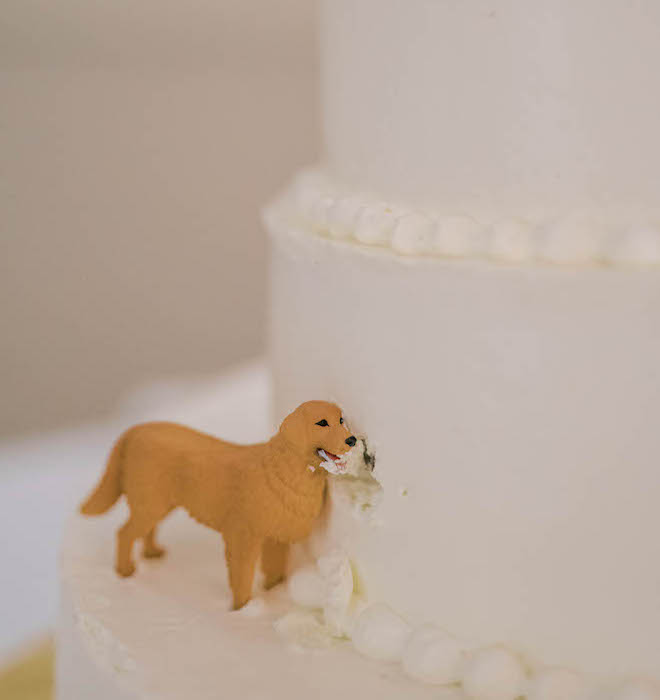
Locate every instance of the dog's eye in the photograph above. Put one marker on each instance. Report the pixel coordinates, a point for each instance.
(323, 423)
(341, 421)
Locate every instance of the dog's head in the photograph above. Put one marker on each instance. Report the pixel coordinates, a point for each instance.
(317, 429)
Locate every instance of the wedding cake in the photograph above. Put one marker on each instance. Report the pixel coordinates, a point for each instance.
(473, 274)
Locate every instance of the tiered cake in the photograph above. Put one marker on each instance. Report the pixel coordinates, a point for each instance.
(473, 274)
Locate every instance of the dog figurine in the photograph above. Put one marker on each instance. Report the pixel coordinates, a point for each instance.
(262, 498)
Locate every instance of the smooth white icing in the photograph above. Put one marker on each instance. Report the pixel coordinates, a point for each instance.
(638, 246)
(316, 204)
(495, 108)
(512, 411)
(637, 690)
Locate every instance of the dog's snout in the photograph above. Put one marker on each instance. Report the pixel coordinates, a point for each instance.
(350, 441)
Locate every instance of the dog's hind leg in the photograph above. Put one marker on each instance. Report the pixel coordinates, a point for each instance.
(130, 531)
(138, 525)
(242, 552)
(274, 556)
(150, 549)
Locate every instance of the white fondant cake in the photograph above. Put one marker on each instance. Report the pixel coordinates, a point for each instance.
(473, 273)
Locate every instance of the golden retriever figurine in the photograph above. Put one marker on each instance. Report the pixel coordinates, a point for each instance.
(260, 497)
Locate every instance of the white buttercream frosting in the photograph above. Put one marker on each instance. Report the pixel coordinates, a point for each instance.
(573, 239)
(557, 684)
(637, 690)
(336, 572)
(493, 674)
(375, 224)
(343, 215)
(108, 616)
(638, 246)
(360, 494)
(458, 237)
(327, 586)
(330, 609)
(380, 633)
(307, 587)
(433, 656)
(316, 204)
(303, 629)
(512, 241)
(499, 351)
(108, 651)
(414, 234)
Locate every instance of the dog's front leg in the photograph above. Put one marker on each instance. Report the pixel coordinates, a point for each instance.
(273, 562)
(242, 551)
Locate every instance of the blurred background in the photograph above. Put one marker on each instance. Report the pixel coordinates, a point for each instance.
(139, 140)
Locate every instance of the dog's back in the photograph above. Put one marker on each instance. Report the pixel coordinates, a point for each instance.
(160, 466)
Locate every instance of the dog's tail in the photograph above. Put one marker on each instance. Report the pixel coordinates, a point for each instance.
(109, 488)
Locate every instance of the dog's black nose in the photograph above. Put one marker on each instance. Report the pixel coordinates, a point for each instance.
(351, 441)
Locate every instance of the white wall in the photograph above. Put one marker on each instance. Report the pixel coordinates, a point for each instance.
(138, 139)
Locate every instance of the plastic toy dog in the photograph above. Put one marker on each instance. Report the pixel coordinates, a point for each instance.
(260, 497)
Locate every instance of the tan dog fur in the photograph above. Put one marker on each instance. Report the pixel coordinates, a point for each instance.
(260, 497)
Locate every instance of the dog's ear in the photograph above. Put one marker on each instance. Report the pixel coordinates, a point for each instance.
(294, 427)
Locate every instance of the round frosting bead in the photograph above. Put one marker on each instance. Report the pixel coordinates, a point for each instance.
(319, 212)
(512, 241)
(573, 240)
(375, 225)
(493, 674)
(413, 234)
(317, 204)
(433, 656)
(379, 633)
(557, 684)
(457, 237)
(637, 690)
(306, 587)
(343, 216)
(638, 247)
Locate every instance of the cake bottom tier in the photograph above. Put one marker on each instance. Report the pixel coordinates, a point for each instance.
(167, 632)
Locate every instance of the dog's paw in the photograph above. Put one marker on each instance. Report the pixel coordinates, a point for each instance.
(272, 581)
(153, 552)
(125, 571)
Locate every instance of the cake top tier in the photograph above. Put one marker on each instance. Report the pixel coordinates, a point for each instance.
(511, 108)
